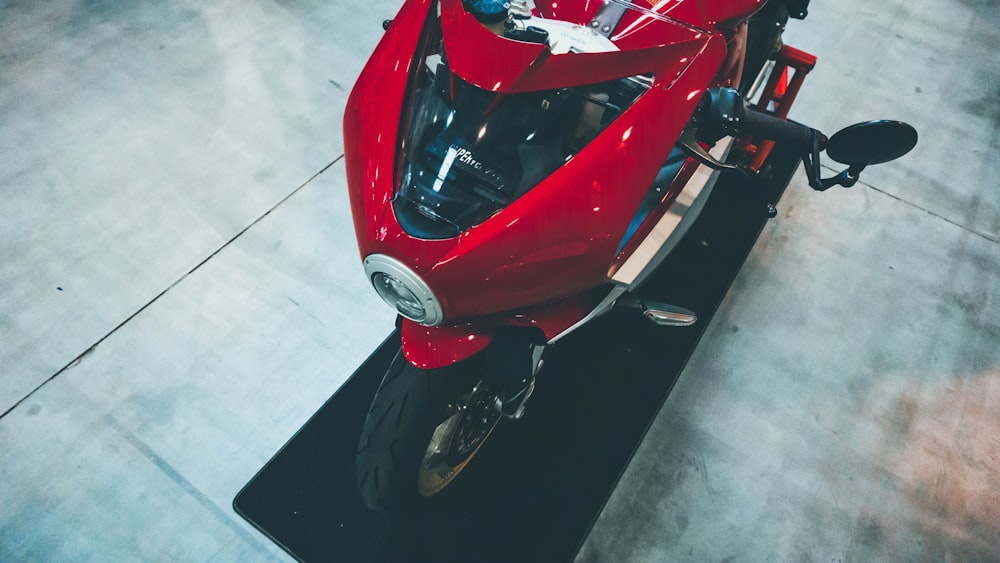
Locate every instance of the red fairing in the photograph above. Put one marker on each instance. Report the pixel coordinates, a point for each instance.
(502, 65)
(710, 14)
(705, 14)
(559, 239)
(573, 11)
(562, 236)
(371, 139)
(430, 347)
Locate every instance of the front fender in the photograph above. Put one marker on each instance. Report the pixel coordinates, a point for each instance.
(430, 347)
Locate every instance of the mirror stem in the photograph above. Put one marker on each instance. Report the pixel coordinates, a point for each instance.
(810, 160)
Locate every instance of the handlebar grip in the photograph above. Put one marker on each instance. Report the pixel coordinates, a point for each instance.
(777, 129)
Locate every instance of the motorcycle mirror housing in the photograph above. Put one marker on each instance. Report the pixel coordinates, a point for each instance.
(861, 144)
(872, 142)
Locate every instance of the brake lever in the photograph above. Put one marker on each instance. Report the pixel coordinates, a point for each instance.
(688, 142)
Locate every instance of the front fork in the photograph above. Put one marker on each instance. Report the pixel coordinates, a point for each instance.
(513, 358)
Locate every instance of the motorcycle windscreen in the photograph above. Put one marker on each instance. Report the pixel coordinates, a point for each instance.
(469, 152)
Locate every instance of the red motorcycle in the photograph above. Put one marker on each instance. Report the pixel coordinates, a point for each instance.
(516, 171)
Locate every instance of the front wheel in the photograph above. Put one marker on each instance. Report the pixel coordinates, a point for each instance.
(423, 427)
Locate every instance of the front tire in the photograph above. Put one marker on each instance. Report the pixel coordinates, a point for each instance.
(423, 427)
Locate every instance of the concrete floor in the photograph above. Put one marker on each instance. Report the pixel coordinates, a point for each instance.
(180, 291)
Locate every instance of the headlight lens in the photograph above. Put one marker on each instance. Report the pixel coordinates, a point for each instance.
(403, 290)
(397, 295)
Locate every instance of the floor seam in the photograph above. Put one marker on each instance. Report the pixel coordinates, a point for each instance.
(93, 347)
(178, 479)
(924, 209)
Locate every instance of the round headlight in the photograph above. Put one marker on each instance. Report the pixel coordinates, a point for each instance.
(402, 289)
(395, 293)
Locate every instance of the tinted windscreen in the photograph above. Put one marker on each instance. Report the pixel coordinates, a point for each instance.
(469, 152)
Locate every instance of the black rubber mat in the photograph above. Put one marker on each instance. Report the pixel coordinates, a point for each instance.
(536, 487)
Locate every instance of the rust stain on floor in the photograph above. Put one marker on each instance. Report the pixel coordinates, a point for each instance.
(944, 445)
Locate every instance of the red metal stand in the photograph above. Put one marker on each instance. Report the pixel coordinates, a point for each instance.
(778, 96)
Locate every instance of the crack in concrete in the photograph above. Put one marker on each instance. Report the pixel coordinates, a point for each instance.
(76, 361)
(924, 209)
(188, 487)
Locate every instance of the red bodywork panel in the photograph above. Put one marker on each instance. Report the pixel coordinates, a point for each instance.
(502, 65)
(706, 15)
(537, 261)
(429, 347)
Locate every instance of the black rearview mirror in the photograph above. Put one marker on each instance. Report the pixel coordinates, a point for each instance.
(857, 146)
(872, 142)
